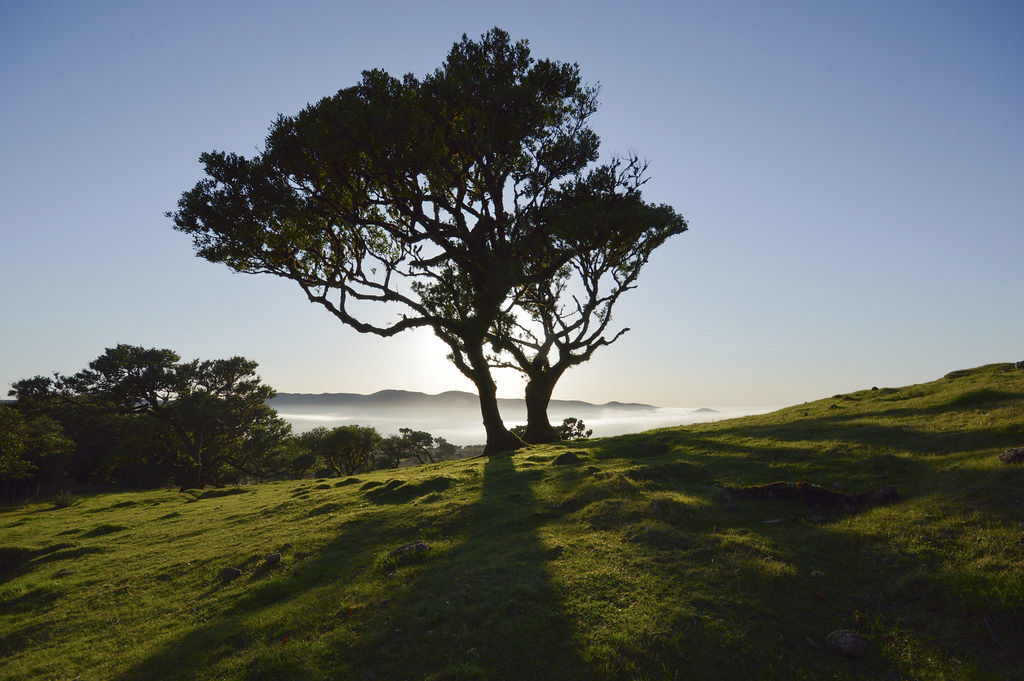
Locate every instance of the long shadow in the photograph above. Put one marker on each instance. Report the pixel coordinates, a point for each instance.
(835, 580)
(484, 608)
(232, 629)
(487, 608)
(798, 580)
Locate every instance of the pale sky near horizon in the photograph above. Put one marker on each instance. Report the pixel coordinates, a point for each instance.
(853, 174)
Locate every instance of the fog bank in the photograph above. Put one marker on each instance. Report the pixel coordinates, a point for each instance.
(465, 428)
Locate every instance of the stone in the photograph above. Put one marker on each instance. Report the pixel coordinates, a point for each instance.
(407, 549)
(846, 642)
(1013, 455)
(885, 495)
(230, 573)
(273, 560)
(567, 459)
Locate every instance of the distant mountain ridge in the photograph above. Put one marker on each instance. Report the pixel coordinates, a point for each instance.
(407, 400)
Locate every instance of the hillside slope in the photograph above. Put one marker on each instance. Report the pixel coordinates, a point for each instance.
(630, 564)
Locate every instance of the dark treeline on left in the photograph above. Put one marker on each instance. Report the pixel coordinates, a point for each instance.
(143, 418)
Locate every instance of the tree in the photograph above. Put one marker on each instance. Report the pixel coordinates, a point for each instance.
(565, 319)
(436, 198)
(214, 412)
(571, 429)
(343, 450)
(32, 447)
(444, 450)
(409, 443)
(392, 451)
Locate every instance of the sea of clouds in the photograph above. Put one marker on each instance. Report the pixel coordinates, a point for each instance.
(465, 429)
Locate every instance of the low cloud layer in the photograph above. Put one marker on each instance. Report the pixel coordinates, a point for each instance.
(465, 429)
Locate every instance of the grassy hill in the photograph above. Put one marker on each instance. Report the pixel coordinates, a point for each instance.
(631, 564)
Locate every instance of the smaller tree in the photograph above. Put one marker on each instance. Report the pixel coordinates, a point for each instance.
(215, 412)
(573, 429)
(348, 449)
(31, 448)
(343, 450)
(444, 450)
(417, 444)
(392, 451)
(408, 444)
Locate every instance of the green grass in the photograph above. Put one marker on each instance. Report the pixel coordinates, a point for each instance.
(621, 567)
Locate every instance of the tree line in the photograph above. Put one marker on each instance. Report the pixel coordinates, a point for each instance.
(143, 418)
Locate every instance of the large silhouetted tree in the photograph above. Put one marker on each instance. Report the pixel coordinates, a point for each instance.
(437, 198)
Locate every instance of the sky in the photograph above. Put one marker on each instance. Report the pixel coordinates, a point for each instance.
(852, 173)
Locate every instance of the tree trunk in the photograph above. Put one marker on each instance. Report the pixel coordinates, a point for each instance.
(499, 439)
(538, 395)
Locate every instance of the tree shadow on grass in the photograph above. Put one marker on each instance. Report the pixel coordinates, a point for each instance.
(481, 607)
(749, 599)
(828, 451)
(486, 608)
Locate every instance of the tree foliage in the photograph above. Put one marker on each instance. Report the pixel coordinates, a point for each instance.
(343, 450)
(211, 417)
(570, 430)
(32, 447)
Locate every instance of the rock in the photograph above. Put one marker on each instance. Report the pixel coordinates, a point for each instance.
(230, 573)
(885, 495)
(407, 549)
(1013, 455)
(64, 573)
(567, 459)
(273, 560)
(846, 642)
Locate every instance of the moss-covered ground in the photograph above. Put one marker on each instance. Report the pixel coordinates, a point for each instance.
(624, 566)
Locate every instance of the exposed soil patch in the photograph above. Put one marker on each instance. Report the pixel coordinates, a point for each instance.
(814, 495)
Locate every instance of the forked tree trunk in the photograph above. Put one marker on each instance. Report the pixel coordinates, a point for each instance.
(538, 396)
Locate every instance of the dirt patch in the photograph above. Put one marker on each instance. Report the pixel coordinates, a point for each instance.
(813, 495)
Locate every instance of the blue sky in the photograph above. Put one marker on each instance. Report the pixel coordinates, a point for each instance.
(853, 174)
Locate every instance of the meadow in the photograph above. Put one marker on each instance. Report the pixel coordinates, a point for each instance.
(630, 562)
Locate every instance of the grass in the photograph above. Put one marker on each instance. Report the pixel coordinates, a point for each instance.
(624, 566)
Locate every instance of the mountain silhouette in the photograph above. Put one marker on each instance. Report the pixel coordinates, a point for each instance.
(410, 403)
